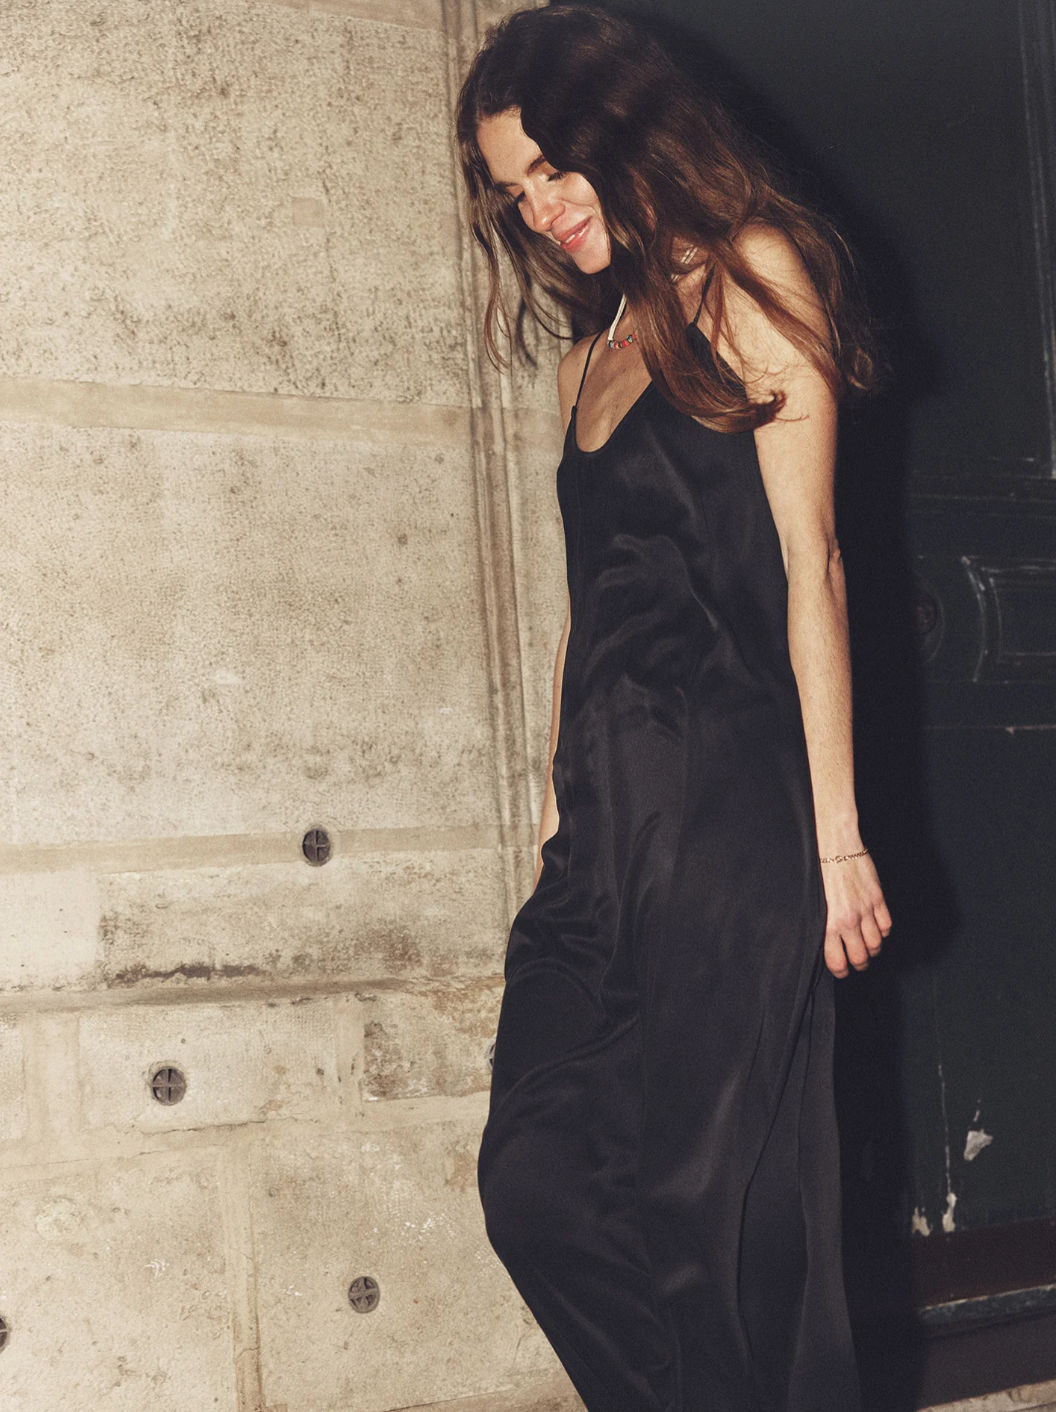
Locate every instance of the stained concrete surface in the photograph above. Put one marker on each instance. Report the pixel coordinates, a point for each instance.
(195, 644)
(281, 552)
(241, 1062)
(433, 1041)
(1039, 1397)
(402, 1207)
(397, 914)
(12, 1083)
(114, 1286)
(229, 194)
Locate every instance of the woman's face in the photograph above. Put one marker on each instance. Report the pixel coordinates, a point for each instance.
(559, 206)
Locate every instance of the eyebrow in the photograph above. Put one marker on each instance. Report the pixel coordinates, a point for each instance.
(533, 166)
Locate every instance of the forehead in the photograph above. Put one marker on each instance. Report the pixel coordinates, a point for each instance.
(509, 152)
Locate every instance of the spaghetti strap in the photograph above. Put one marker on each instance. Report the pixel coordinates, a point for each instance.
(586, 365)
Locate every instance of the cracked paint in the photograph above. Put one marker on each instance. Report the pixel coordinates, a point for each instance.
(948, 1223)
(976, 1139)
(920, 1225)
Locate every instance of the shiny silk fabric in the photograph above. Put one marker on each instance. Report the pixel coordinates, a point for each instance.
(659, 1170)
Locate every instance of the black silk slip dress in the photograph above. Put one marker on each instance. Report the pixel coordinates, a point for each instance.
(659, 1170)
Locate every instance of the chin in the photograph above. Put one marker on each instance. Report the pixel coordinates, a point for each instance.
(592, 262)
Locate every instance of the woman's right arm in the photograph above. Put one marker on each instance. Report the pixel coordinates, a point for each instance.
(569, 373)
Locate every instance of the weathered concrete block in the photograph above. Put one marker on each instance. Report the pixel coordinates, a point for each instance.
(550, 1394)
(433, 1041)
(49, 928)
(112, 1280)
(425, 14)
(12, 1082)
(535, 386)
(402, 1207)
(364, 917)
(243, 1063)
(235, 635)
(161, 163)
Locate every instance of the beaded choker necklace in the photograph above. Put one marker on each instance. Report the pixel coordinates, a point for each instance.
(614, 342)
(632, 337)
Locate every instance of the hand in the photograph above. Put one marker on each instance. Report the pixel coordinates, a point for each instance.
(858, 917)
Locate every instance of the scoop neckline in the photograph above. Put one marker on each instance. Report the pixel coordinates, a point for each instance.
(691, 329)
(580, 451)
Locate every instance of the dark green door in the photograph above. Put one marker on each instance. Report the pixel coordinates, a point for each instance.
(929, 131)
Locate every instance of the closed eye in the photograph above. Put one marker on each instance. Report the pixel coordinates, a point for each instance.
(518, 198)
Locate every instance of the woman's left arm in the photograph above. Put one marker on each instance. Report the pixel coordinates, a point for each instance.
(797, 457)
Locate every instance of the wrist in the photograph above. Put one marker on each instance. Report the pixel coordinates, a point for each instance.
(845, 857)
(838, 834)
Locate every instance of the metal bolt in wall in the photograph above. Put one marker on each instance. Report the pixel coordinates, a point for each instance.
(364, 1294)
(5, 1333)
(167, 1084)
(316, 847)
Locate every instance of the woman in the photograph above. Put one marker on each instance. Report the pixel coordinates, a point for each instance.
(659, 1168)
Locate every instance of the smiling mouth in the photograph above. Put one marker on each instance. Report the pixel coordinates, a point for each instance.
(575, 237)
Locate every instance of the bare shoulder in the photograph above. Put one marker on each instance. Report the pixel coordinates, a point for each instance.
(748, 340)
(774, 258)
(569, 372)
(768, 249)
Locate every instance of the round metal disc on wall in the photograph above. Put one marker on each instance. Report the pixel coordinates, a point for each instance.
(364, 1294)
(167, 1084)
(317, 847)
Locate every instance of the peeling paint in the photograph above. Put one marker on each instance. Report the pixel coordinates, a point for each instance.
(977, 1139)
(949, 1225)
(920, 1225)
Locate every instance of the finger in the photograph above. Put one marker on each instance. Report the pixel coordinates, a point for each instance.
(871, 935)
(835, 957)
(883, 917)
(854, 945)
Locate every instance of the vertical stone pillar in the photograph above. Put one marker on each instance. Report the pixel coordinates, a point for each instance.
(281, 555)
(511, 425)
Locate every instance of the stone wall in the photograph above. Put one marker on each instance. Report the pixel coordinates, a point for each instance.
(280, 553)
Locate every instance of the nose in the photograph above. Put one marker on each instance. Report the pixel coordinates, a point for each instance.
(541, 209)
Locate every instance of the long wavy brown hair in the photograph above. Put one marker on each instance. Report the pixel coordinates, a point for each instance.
(672, 171)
